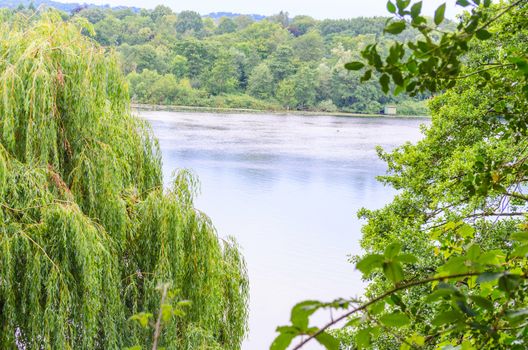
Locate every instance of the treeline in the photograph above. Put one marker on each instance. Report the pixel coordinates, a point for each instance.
(276, 63)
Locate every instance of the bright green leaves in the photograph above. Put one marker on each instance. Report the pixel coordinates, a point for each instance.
(301, 312)
(143, 318)
(370, 263)
(521, 250)
(391, 7)
(393, 271)
(363, 338)
(472, 261)
(168, 310)
(284, 339)
(299, 318)
(390, 263)
(440, 14)
(402, 6)
(397, 319)
(436, 56)
(447, 317)
(396, 27)
(328, 341)
(416, 10)
(451, 236)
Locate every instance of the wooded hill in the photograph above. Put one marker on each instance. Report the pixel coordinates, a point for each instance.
(272, 64)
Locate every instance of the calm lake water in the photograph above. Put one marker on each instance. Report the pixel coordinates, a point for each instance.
(288, 188)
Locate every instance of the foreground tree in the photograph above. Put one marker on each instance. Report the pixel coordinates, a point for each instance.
(447, 259)
(86, 230)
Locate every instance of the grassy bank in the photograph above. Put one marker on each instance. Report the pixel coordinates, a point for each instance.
(195, 109)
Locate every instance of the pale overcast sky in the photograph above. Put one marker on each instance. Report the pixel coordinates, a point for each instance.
(318, 9)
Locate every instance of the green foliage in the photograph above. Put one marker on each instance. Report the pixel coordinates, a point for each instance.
(189, 22)
(86, 230)
(224, 60)
(447, 259)
(260, 83)
(436, 60)
(168, 311)
(225, 26)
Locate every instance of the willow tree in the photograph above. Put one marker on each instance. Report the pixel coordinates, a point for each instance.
(86, 229)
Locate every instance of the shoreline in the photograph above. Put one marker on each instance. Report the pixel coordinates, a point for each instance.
(198, 109)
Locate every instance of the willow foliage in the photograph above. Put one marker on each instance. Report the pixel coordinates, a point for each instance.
(86, 229)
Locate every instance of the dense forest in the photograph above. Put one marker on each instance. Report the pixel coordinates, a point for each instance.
(272, 64)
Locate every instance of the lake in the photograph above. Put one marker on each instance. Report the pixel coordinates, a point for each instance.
(288, 188)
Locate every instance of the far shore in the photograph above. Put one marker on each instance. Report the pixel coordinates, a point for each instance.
(196, 109)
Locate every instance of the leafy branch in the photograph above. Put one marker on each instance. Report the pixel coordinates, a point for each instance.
(378, 298)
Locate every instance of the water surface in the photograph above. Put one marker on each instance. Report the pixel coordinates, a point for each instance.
(288, 188)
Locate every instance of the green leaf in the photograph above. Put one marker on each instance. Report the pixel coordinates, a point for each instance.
(483, 34)
(354, 65)
(393, 271)
(363, 338)
(466, 231)
(369, 263)
(328, 341)
(464, 307)
(440, 14)
(482, 302)
(398, 301)
(416, 9)
(473, 252)
(302, 311)
(398, 319)
(377, 308)
(521, 251)
(492, 257)
(463, 3)
(521, 236)
(166, 312)
(509, 283)
(406, 258)
(402, 5)
(391, 7)
(396, 27)
(366, 76)
(142, 318)
(455, 265)
(392, 250)
(282, 341)
(353, 322)
(447, 317)
(489, 276)
(384, 82)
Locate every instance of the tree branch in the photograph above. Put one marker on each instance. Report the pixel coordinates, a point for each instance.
(157, 328)
(380, 297)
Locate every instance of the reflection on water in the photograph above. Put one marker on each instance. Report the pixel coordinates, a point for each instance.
(288, 188)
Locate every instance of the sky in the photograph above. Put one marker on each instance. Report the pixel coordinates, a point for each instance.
(319, 9)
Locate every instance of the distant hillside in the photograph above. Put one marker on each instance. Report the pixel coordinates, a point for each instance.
(218, 15)
(62, 6)
(72, 6)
